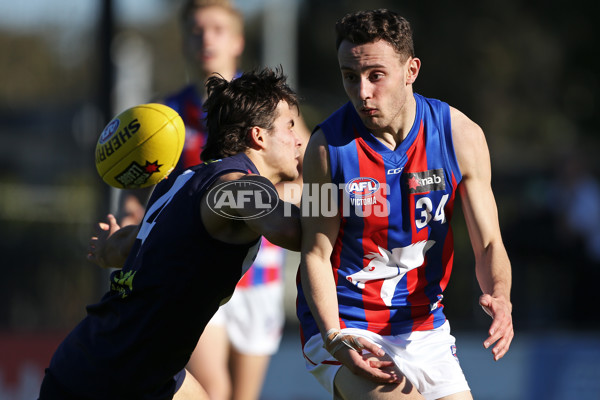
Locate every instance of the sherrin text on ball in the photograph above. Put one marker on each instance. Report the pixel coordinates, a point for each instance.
(140, 146)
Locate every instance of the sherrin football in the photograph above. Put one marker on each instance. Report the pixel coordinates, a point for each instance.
(140, 146)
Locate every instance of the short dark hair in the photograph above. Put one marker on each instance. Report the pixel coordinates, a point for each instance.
(234, 107)
(372, 25)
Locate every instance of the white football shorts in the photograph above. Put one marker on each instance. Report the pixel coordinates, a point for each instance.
(254, 318)
(427, 358)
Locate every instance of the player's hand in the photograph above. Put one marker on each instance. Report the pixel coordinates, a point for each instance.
(366, 359)
(501, 331)
(97, 245)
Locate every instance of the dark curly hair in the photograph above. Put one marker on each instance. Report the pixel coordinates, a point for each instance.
(369, 26)
(234, 107)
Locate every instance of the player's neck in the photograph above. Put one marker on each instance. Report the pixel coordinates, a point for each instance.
(399, 128)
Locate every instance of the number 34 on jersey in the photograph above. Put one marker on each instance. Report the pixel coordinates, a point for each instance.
(425, 211)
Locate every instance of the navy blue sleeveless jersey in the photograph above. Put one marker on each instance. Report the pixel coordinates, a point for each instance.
(143, 331)
(393, 254)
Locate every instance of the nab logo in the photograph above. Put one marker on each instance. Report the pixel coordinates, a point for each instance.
(362, 187)
(426, 181)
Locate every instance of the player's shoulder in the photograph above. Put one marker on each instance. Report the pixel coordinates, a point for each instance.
(244, 178)
(469, 142)
(235, 181)
(317, 147)
(340, 118)
(231, 176)
(464, 129)
(317, 138)
(317, 151)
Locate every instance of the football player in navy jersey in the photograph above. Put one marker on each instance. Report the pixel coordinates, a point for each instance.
(245, 332)
(373, 272)
(200, 233)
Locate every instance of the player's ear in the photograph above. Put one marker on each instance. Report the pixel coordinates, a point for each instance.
(256, 137)
(412, 70)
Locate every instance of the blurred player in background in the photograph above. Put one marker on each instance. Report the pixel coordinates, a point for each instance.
(245, 332)
(185, 258)
(373, 274)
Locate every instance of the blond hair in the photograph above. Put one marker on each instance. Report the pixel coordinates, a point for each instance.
(190, 6)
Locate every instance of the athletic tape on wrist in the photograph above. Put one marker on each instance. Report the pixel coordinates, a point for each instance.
(335, 340)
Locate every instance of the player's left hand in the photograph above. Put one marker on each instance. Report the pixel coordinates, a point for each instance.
(501, 331)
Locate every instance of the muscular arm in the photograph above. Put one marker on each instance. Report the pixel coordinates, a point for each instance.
(319, 234)
(281, 226)
(492, 265)
(318, 237)
(250, 208)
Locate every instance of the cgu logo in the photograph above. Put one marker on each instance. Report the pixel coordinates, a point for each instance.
(361, 187)
(394, 171)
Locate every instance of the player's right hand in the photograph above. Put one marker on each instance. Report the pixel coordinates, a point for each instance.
(97, 245)
(370, 362)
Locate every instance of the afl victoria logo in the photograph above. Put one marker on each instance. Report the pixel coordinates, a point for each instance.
(227, 197)
(362, 187)
(108, 131)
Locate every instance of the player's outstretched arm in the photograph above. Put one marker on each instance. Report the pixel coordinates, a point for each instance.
(110, 247)
(280, 223)
(319, 232)
(479, 206)
(239, 208)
